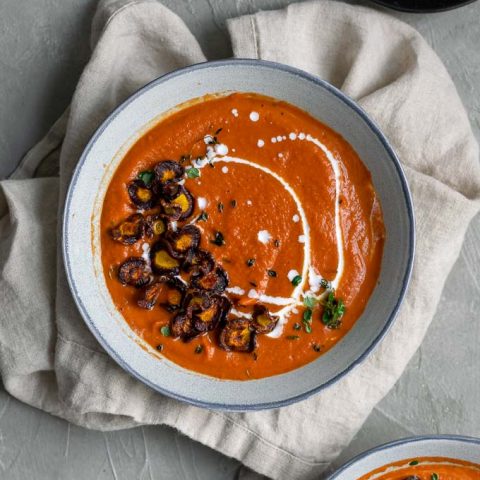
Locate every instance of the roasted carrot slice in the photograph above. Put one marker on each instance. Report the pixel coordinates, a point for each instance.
(168, 171)
(216, 280)
(237, 335)
(165, 290)
(263, 321)
(141, 195)
(184, 240)
(130, 230)
(180, 206)
(134, 271)
(182, 327)
(155, 225)
(198, 262)
(162, 260)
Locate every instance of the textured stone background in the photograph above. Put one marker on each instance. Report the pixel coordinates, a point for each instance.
(43, 47)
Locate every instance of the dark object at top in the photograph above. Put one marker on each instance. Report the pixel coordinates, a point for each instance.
(423, 6)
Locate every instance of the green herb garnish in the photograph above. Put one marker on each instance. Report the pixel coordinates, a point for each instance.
(310, 302)
(199, 349)
(297, 326)
(307, 315)
(192, 172)
(250, 262)
(202, 217)
(272, 273)
(146, 177)
(435, 476)
(218, 240)
(165, 331)
(292, 337)
(307, 320)
(333, 311)
(218, 131)
(297, 280)
(413, 463)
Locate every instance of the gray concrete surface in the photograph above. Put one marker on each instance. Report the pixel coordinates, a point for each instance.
(43, 47)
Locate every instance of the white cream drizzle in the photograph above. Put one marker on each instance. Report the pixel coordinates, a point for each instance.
(146, 252)
(314, 278)
(264, 236)
(292, 274)
(254, 116)
(202, 203)
(236, 290)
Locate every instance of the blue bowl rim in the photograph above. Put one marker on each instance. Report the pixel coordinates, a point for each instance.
(215, 64)
(402, 441)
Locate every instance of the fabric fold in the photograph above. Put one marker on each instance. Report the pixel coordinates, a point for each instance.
(48, 357)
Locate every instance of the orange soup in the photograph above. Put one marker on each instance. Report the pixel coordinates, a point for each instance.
(426, 468)
(241, 237)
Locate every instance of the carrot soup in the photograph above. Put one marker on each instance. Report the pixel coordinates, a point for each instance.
(241, 237)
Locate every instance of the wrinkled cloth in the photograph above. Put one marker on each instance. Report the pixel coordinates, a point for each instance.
(48, 357)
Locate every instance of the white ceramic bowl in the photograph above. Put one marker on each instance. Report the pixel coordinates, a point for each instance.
(105, 151)
(450, 446)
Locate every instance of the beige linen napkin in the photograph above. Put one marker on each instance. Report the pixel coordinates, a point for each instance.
(49, 359)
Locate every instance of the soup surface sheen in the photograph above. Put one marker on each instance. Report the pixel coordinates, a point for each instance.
(285, 207)
(426, 468)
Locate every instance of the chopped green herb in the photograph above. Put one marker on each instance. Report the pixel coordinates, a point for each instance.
(435, 476)
(307, 327)
(297, 326)
(272, 273)
(307, 315)
(233, 203)
(297, 280)
(193, 172)
(199, 349)
(146, 177)
(165, 331)
(250, 262)
(202, 217)
(316, 347)
(159, 347)
(292, 337)
(333, 311)
(220, 207)
(310, 302)
(218, 131)
(218, 240)
(413, 463)
(276, 243)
